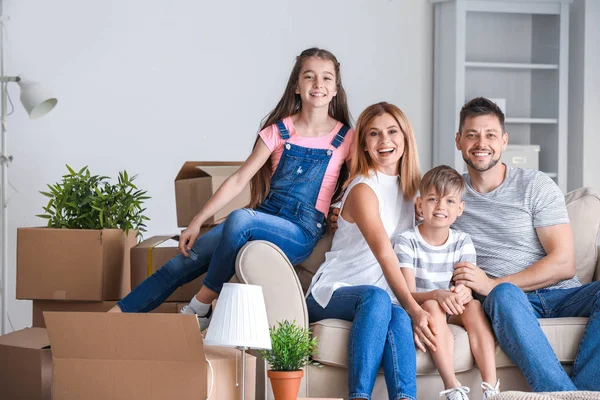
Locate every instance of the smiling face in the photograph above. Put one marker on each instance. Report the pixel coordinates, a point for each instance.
(316, 82)
(481, 142)
(440, 211)
(384, 143)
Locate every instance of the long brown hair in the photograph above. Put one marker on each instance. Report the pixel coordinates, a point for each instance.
(291, 104)
(408, 168)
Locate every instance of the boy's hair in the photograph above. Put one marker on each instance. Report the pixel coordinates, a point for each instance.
(291, 104)
(444, 180)
(361, 163)
(477, 107)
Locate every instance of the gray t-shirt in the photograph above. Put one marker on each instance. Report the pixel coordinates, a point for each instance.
(503, 222)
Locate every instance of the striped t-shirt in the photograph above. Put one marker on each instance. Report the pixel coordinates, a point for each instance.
(503, 222)
(433, 265)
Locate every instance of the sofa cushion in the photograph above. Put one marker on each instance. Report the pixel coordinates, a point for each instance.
(332, 336)
(583, 206)
(564, 335)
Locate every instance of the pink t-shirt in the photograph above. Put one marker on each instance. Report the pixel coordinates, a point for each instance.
(270, 135)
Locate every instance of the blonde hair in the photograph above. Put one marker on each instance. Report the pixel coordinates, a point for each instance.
(408, 167)
(445, 180)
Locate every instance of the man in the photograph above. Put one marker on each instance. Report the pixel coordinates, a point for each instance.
(518, 222)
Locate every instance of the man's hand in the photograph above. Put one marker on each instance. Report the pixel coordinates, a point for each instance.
(466, 294)
(473, 277)
(332, 219)
(450, 302)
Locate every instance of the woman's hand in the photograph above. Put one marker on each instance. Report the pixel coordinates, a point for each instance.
(424, 330)
(332, 219)
(188, 237)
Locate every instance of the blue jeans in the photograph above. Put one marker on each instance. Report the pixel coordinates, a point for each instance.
(514, 315)
(381, 333)
(215, 253)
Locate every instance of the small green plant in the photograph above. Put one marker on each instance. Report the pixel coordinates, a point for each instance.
(85, 201)
(291, 347)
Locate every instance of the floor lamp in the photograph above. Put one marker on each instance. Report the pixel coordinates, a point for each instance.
(37, 103)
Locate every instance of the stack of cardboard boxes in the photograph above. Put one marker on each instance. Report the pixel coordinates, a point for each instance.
(94, 354)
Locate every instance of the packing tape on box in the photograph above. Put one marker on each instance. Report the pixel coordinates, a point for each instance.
(149, 269)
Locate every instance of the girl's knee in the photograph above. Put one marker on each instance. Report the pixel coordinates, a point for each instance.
(377, 299)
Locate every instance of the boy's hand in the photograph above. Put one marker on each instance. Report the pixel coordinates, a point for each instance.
(464, 292)
(332, 219)
(450, 302)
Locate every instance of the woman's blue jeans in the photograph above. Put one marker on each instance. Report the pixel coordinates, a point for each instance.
(215, 253)
(381, 334)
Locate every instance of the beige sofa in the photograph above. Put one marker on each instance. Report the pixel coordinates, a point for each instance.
(284, 288)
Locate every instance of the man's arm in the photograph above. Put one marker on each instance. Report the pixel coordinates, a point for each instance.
(557, 265)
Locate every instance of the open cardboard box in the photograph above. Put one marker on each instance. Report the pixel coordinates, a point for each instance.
(197, 181)
(73, 264)
(25, 365)
(99, 356)
(153, 253)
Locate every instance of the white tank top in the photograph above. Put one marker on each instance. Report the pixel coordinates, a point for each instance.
(350, 262)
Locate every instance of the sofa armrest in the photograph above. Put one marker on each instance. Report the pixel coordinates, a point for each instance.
(262, 263)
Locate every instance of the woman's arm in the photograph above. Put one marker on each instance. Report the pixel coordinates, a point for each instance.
(450, 301)
(232, 186)
(362, 207)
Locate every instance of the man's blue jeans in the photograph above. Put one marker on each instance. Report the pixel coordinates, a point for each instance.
(380, 333)
(514, 315)
(215, 253)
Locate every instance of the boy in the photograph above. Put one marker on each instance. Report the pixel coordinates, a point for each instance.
(427, 255)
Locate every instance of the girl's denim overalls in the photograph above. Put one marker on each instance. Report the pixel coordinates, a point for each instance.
(287, 218)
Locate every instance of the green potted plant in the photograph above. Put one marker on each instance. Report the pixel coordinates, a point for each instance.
(83, 253)
(86, 201)
(291, 350)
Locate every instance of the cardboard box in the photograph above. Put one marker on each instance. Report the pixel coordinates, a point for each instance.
(73, 264)
(140, 356)
(153, 253)
(196, 182)
(39, 306)
(25, 365)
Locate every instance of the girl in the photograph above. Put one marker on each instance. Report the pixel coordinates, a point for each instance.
(293, 170)
(352, 283)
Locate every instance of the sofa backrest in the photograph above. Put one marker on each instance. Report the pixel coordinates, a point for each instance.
(583, 206)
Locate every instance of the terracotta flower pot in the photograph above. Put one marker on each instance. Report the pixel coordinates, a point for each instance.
(285, 384)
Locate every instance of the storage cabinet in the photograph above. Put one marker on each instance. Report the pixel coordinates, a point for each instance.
(515, 50)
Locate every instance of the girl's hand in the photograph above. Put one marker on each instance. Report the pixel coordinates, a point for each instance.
(187, 238)
(450, 302)
(465, 293)
(424, 330)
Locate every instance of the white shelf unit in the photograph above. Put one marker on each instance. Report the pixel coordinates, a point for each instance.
(511, 49)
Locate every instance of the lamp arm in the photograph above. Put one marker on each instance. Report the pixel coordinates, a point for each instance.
(10, 78)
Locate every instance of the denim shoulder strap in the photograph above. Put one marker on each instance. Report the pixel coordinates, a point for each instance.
(283, 132)
(339, 137)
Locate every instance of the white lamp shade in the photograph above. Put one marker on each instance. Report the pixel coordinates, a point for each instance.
(240, 318)
(35, 99)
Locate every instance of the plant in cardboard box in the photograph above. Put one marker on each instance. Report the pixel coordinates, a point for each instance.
(85, 201)
(291, 349)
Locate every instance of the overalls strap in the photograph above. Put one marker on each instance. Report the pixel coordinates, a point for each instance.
(285, 134)
(339, 137)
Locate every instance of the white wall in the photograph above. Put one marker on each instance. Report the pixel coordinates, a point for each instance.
(145, 85)
(584, 95)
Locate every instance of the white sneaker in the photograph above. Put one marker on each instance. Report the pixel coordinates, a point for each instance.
(489, 390)
(457, 393)
(203, 321)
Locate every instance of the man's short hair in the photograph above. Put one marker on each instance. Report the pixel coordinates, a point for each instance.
(444, 180)
(477, 107)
